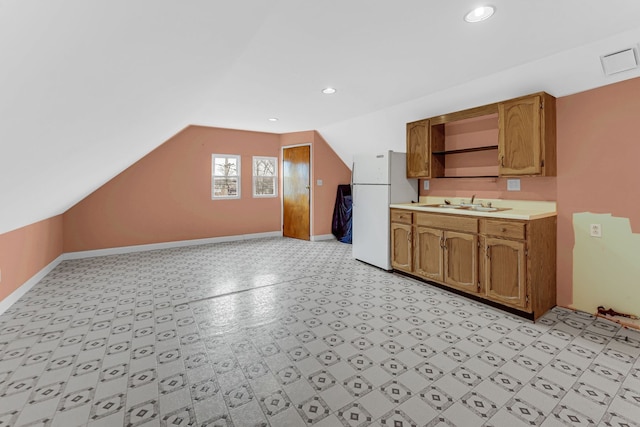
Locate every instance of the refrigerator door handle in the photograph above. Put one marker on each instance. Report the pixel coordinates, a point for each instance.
(353, 169)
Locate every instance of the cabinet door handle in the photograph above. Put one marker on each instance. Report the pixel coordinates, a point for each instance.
(502, 161)
(487, 251)
(409, 236)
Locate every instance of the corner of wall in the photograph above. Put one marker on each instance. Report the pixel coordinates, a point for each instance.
(28, 250)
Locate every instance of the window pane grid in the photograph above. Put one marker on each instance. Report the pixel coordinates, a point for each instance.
(225, 176)
(265, 176)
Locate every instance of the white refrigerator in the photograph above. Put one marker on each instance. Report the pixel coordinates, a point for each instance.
(377, 181)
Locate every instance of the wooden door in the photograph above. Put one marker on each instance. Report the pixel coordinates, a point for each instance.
(519, 141)
(296, 192)
(401, 247)
(418, 152)
(460, 261)
(428, 253)
(505, 269)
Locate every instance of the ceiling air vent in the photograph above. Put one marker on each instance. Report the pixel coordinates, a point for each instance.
(620, 61)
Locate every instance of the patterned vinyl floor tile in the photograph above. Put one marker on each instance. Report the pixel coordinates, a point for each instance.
(274, 332)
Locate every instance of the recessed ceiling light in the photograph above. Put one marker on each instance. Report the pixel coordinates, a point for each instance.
(480, 14)
(273, 119)
(328, 91)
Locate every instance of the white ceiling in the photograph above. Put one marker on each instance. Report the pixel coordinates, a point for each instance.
(89, 87)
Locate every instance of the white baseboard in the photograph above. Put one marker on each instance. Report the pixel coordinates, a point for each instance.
(322, 237)
(26, 286)
(167, 245)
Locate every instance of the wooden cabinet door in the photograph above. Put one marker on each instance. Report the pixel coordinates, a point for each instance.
(428, 253)
(418, 151)
(401, 247)
(461, 260)
(519, 141)
(506, 272)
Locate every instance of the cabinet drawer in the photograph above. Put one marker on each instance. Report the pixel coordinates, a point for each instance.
(448, 222)
(505, 229)
(404, 217)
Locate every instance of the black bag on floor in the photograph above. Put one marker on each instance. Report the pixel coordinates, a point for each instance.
(341, 226)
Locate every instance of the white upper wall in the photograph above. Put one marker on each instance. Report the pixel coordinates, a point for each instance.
(562, 74)
(88, 88)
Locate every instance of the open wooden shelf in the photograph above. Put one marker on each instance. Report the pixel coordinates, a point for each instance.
(466, 150)
(469, 176)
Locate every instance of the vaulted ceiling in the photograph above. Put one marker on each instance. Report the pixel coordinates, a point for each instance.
(89, 87)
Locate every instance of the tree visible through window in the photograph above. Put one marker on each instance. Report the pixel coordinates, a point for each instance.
(225, 176)
(265, 176)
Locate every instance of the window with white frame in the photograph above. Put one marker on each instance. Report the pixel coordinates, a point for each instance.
(265, 176)
(225, 176)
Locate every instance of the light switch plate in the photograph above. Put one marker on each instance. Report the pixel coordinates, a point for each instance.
(425, 184)
(513, 184)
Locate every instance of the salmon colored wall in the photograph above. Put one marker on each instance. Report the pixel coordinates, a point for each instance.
(327, 166)
(598, 152)
(332, 171)
(531, 188)
(598, 165)
(27, 250)
(166, 196)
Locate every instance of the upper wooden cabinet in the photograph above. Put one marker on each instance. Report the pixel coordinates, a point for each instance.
(511, 138)
(418, 149)
(527, 136)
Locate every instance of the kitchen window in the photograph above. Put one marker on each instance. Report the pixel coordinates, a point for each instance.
(265, 176)
(225, 176)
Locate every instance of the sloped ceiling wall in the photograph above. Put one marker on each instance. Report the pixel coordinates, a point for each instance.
(88, 88)
(82, 98)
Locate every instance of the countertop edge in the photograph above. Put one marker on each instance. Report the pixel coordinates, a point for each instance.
(509, 214)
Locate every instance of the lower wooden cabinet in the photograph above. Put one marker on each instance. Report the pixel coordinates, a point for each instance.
(402, 240)
(505, 272)
(446, 256)
(509, 262)
(428, 253)
(401, 247)
(460, 261)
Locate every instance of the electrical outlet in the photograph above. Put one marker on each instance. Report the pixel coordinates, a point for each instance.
(513, 184)
(425, 184)
(595, 230)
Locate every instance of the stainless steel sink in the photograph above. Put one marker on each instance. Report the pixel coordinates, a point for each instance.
(444, 206)
(477, 208)
(484, 209)
(451, 206)
(487, 209)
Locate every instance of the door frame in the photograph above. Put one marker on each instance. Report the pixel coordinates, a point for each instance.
(311, 191)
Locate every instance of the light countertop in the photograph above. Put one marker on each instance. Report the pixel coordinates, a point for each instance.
(518, 209)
